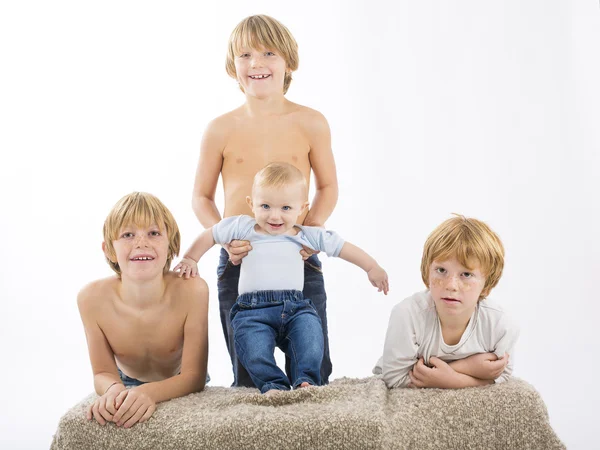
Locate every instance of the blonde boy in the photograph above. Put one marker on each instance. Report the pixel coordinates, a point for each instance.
(451, 336)
(271, 309)
(262, 55)
(145, 327)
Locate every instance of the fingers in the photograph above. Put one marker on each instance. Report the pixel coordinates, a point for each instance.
(236, 243)
(414, 380)
(129, 413)
(122, 405)
(136, 417)
(120, 398)
(237, 259)
(148, 413)
(97, 414)
(110, 405)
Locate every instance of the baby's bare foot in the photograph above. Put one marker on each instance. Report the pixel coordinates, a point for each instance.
(305, 384)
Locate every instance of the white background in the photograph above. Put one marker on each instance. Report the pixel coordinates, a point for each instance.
(489, 109)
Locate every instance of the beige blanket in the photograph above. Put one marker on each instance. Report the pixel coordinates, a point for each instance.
(347, 414)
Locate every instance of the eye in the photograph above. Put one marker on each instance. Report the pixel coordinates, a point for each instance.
(127, 235)
(440, 270)
(269, 54)
(245, 55)
(155, 233)
(468, 275)
(264, 206)
(287, 208)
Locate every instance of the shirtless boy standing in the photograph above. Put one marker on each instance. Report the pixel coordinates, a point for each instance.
(262, 55)
(146, 328)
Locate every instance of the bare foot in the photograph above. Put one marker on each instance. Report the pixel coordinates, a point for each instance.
(305, 384)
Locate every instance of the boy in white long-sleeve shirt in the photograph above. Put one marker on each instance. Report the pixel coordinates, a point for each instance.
(451, 336)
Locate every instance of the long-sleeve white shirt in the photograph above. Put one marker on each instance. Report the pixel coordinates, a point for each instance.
(414, 331)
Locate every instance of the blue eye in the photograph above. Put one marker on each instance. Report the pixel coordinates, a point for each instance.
(286, 208)
(264, 206)
(270, 54)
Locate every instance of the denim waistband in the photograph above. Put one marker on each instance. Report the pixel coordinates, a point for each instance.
(271, 296)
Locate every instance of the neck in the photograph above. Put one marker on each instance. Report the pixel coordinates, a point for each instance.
(142, 293)
(265, 106)
(453, 328)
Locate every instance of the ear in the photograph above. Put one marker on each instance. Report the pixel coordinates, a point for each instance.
(106, 252)
(249, 202)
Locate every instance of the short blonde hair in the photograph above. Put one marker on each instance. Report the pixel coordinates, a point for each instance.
(141, 209)
(466, 239)
(278, 174)
(263, 31)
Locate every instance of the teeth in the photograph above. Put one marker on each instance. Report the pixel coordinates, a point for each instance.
(143, 258)
(258, 77)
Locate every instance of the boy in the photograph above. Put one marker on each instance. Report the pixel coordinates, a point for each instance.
(271, 309)
(145, 328)
(451, 336)
(262, 54)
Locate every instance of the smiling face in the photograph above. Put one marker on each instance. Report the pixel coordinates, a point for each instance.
(455, 288)
(140, 251)
(260, 72)
(276, 209)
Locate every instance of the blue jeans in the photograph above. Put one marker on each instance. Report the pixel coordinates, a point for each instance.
(314, 289)
(133, 382)
(262, 320)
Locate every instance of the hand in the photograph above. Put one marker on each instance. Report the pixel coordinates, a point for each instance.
(187, 267)
(133, 406)
(307, 252)
(486, 366)
(441, 375)
(379, 279)
(237, 251)
(104, 407)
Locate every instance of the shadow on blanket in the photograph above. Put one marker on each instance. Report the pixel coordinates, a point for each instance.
(347, 414)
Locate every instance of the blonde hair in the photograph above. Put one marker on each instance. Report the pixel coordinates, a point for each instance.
(140, 209)
(263, 31)
(278, 174)
(467, 240)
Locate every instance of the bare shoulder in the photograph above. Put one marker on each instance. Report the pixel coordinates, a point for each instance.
(310, 119)
(224, 124)
(94, 293)
(186, 291)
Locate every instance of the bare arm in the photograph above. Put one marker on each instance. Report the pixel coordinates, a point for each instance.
(207, 174)
(485, 366)
(442, 376)
(323, 166)
(102, 358)
(357, 256)
(188, 266)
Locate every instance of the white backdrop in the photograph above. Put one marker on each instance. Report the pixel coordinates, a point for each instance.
(489, 109)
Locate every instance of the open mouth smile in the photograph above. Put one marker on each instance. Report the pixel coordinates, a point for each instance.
(259, 77)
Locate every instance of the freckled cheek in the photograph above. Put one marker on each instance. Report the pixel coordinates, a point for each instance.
(436, 282)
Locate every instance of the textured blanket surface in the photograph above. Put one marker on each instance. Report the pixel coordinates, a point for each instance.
(347, 414)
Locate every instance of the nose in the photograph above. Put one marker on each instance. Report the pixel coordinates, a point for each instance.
(275, 215)
(452, 283)
(256, 61)
(141, 240)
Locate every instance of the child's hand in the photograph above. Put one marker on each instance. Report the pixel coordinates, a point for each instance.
(379, 279)
(187, 268)
(237, 250)
(441, 375)
(133, 406)
(486, 366)
(103, 409)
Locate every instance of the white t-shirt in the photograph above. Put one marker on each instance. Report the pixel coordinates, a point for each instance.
(275, 263)
(414, 331)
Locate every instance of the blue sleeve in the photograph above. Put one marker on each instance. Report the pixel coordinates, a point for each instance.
(323, 240)
(231, 228)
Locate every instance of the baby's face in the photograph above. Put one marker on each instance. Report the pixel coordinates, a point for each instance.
(455, 288)
(276, 210)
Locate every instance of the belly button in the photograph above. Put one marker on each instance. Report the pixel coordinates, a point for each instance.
(295, 158)
(239, 160)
